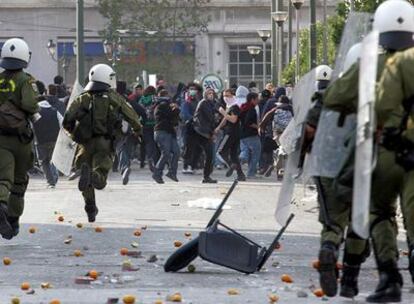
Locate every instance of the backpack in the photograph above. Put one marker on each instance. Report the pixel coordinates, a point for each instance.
(281, 119)
(13, 120)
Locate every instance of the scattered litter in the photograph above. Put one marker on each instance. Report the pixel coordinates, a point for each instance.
(84, 280)
(302, 294)
(233, 292)
(207, 203)
(286, 278)
(127, 266)
(178, 244)
(176, 297)
(175, 204)
(128, 299)
(46, 285)
(152, 259)
(134, 245)
(112, 301)
(273, 298)
(191, 268)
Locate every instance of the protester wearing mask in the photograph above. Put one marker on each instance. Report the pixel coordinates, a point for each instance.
(229, 147)
(204, 126)
(188, 108)
(250, 140)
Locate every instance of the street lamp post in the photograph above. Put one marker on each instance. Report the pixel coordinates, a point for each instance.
(264, 35)
(254, 51)
(64, 61)
(113, 50)
(280, 17)
(297, 4)
(80, 64)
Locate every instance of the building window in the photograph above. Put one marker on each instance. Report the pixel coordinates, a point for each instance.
(241, 66)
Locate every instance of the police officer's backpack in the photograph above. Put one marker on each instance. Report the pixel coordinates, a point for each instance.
(12, 118)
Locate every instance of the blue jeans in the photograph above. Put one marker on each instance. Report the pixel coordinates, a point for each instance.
(126, 152)
(250, 152)
(170, 152)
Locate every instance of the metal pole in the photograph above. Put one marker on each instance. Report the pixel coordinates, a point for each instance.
(80, 68)
(253, 68)
(279, 70)
(264, 64)
(313, 42)
(281, 46)
(297, 46)
(352, 5)
(290, 31)
(274, 45)
(325, 35)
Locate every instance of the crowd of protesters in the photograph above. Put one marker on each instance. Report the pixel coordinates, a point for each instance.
(236, 130)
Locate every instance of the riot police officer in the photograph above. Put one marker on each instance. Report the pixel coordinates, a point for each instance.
(94, 120)
(18, 104)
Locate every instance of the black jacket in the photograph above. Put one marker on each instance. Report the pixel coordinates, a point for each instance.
(204, 119)
(166, 117)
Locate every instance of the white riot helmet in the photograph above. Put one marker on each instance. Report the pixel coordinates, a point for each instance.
(323, 72)
(15, 54)
(352, 56)
(394, 20)
(101, 78)
(323, 76)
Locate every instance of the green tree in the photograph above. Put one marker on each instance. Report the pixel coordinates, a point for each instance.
(173, 20)
(335, 24)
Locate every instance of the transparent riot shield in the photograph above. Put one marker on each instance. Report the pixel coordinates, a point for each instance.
(291, 141)
(65, 148)
(356, 28)
(328, 149)
(365, 135)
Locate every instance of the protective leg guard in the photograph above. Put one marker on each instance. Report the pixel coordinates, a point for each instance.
(85, 178)
(349, 281)
(389, 286)
(6, 230)
(328, 273)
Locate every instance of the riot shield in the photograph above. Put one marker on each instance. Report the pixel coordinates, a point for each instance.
(365, 135)
(65, 147)
(291, 141)
(328, 149)
(356, 28)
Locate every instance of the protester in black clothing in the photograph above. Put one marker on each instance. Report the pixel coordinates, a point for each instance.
(229, 147)
(46, 131)
(54, 100)
(167, 115)
(204, 126)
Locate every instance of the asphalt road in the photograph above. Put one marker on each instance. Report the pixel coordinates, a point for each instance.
(44, 257)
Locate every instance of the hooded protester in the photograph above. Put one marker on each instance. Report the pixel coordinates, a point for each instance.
(204, 126)
(241, 95)
(229, 147)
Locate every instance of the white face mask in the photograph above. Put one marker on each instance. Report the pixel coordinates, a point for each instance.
(229, 101)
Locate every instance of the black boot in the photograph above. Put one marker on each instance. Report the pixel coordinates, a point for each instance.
(349, 281)
(389, 286)
(6, 230)
(411, 262)
(328, 273)
(85, 178)
(91, 211)
(14, 223)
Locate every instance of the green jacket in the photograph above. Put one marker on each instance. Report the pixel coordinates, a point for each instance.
(22, 89)
(342, 94)
(101, 114)
(395, 86)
